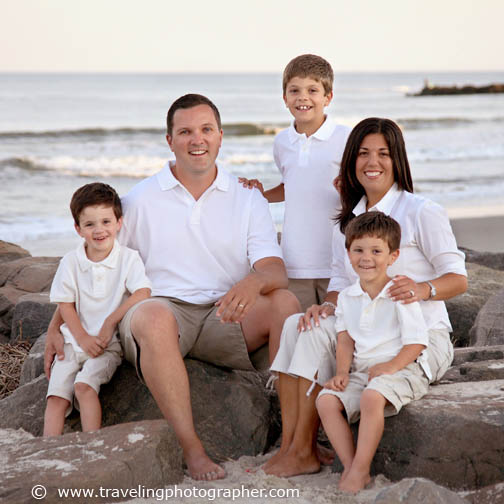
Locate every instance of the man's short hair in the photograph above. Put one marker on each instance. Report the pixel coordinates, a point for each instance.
(374, 224)
(309, 65)
(189, 101)
(93, 194)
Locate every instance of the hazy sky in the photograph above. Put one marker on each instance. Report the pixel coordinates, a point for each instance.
(251, 35)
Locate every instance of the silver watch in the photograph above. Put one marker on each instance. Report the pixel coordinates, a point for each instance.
(433, 290)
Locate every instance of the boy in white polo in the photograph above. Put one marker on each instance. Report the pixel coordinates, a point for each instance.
(92, 287)
(380, 363)
(308, 155)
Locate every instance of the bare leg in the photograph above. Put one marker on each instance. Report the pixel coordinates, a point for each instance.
(264, 322)
(156, 332)
(301, 457)
(370, 433)
(54, 417)
(287, 389)
(338, 431)
(90, 407)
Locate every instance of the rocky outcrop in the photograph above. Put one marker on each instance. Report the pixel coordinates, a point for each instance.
(483, 283)
(21, 274)
(417, 491)
(488, 328)
(123, 457)
(494, 260)
(233, 412)
(31, 316)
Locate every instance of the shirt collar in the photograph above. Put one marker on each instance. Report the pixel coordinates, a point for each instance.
(110, 261)
(356, 290)
(323, 133)
(168, 181)
(385, 205)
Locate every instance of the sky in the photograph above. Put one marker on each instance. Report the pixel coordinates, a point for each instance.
(249, 36)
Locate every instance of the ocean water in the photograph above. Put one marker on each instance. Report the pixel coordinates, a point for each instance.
(59, 131)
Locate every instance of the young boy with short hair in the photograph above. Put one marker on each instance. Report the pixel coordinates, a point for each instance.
(94, 287)
(380, 363)
(308, 155)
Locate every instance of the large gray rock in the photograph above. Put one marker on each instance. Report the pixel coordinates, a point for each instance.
(11, 252)
(453, 436)
(488, 328)
(493, 494)
(31, 316)
(233, 413)
(123, 457)
(489, 259)
(33, 366)
(417, 491)
(483, 283)
(477, 354)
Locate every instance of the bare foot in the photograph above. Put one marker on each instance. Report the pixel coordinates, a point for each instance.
(325, 455)
(274, 459)
(354, 481)
(293, 465)
(201, 467)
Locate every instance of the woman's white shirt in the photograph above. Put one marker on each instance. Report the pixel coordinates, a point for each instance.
(428, 248)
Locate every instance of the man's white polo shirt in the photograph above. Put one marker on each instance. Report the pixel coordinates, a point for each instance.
(308, 166)
(96, 288)
(196, 250)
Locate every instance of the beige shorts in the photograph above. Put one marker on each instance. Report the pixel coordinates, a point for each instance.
(79, 367)
(312, 354)
(408, 384)
(309, 291)
(202, 335)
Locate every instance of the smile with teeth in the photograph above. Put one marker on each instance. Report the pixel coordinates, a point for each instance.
(372, 174)
(303, 107)
(198, 152)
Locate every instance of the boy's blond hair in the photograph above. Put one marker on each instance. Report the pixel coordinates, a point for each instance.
(309, 65)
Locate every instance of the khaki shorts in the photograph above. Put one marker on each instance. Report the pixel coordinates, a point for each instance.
(408, 384)
(202, 336)
(312, 354)
(79, 367)
(309, 291)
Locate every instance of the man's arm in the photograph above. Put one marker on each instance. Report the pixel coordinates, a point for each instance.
(268, 274)
(110, 323)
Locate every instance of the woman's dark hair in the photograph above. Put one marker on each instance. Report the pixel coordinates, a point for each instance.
(351, 190)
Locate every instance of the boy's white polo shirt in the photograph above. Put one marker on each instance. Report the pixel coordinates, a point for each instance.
(96, 288)
(196, 250)
(308, 166)
(380, 327)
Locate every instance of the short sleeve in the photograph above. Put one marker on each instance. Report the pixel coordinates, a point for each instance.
(262, 237)
(437, 241)
(340, 321)
(64, 286)
(136, 278)
(339, 278)
(412, 324)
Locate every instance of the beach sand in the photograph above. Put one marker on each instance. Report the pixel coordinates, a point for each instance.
(244, 476)
(484, 234)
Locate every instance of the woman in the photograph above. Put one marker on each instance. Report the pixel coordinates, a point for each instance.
(375, 175)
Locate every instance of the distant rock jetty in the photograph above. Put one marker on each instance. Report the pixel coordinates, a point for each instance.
(431, 90)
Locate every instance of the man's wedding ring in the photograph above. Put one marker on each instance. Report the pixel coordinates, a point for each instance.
(412, 292)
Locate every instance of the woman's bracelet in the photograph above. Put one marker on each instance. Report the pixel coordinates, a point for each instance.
(328, 303)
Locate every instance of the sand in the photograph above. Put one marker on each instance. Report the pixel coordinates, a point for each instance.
(484, 234)
(244, 476)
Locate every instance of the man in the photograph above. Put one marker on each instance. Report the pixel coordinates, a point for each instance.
(198, 232)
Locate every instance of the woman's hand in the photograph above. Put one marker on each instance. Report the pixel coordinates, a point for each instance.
(407, 290)
(315, 312)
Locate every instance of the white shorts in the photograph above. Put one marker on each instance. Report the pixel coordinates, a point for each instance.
(312, 354)
(79, 367)
(408, 384)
